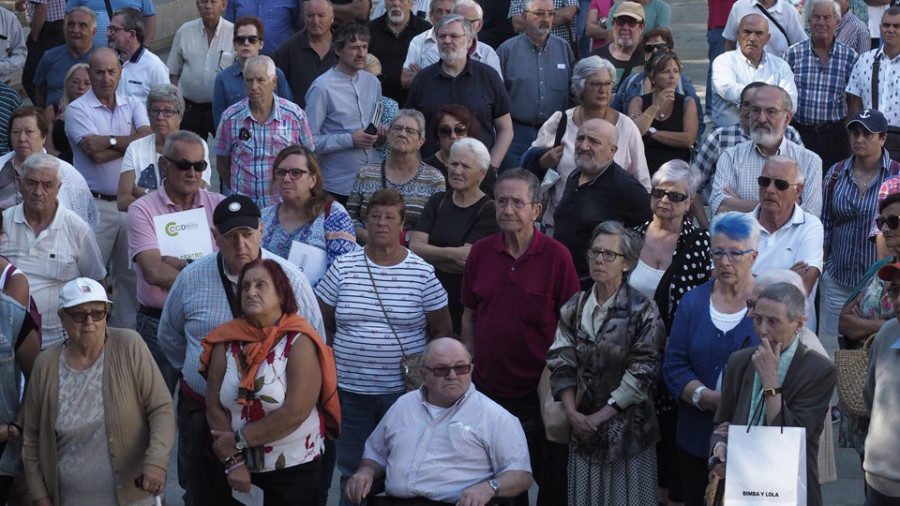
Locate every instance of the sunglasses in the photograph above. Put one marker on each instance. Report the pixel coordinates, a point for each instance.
(184, 165)
(652, 48)
(460, 130)
(780, 184)
(626, 21)
(892, 222)
(82, 316)
(241, 39)
(659, 193)
(443, 371)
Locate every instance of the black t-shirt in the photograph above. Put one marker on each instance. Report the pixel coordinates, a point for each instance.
(623, 68)
(391, 51)
(301, 64)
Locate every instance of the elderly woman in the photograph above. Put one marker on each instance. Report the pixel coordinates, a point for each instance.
(77, 83)
(376, 303)
(454, 220)
(612, 339)
(450, 124)
(140, 165)
(403, 171)
(780, 382)
(710, 324)
(266, 367)
(307, 214)
(96, 394)
(667, 119)
(27, 133)
(592, 81)
(674, 260)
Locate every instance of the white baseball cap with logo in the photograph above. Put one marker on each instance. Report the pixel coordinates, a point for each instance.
(81, 290)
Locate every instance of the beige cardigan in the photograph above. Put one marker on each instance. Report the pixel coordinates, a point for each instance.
(140, 419)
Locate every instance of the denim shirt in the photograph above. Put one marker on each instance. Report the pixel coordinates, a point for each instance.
(12, 314)
(633, 86)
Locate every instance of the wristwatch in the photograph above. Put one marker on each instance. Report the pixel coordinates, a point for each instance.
(651, 130)
(713, 462)
(494, 485)
(771, 392)
(239, 442)
(112, 141)
(695, 397)
(612, 402)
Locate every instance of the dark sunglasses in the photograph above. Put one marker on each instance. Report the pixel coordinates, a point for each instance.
(659, 193)
(625, 20)
(184, 165)
(780, 184)
(240, 39)
(82, 316)
(652, 48)
(444, 371)
(460, 130)
(892, 222)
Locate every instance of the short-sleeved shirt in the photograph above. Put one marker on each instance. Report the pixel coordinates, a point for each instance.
(140, 73)
(478, 88)
(9, 102)
(657, 13)
(853, 32)
(142, 234)
(253, 146)
(391, 50)
(197, 60)
(229, 89)
(517, 6)
(603, 7)
(732, 71)
(280, 17)
(51, 71)
(366, 350)
(783, 12)
(821, 87)
(516, 303)
(800, 239)
(301, 64)
(332, 230)
(86, 115)
(142, 158)
(888, 84)
(103, 18)
(536, 78)
(12, 45)
(624, 68)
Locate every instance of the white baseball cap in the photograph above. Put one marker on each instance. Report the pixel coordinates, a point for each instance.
(81, 290)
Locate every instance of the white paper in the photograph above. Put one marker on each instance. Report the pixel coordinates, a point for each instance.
(311, 260)
(252, 498)
(184, 234)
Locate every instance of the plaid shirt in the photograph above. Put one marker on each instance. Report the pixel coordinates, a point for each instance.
(253, 152)
(889, 186)
(562, 31)
(821, 94)
(853, 32)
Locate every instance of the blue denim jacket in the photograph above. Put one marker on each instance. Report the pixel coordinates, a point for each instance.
(12, 314)
(633, 86)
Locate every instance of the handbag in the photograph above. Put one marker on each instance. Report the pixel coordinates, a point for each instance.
(766, 465)
(409, 363)
(557, 428)
(851, 376)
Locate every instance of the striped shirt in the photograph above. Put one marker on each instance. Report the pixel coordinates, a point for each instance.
(253, 146)
(847, 217)
(416, 192)
(821, 96)
(366, 350)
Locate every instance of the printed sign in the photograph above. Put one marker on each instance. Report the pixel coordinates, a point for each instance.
(184, 234)
(311, 260)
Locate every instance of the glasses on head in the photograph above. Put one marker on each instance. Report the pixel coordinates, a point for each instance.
(295, 173)
(653, 48)
(659, 193)
(241, 39)
(156, 111)
(517, 204)
(596, 85)
(608, 255)
(543, 14)
(733, 255)
(184, 165)
(770, 111)
(780, 184)
(409, 130)
(626, 21)
(82, 316)
(442, 371)
(891, 221)
(460, 130)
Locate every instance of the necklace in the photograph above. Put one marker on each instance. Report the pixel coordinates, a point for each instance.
(863, 185)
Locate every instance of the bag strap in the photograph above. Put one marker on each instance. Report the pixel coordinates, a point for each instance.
(375, 288)
(775, 22)
(328, 208)
(109, 9)
(226, 284)
(832, 182)
(383, 175)
(876, 66)
(561, 128)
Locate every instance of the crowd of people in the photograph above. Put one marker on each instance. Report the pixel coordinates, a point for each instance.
(423, 210)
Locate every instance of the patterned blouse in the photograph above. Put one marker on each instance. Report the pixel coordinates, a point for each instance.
(416, 192)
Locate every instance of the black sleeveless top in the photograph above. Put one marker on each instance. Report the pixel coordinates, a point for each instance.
(656, 152)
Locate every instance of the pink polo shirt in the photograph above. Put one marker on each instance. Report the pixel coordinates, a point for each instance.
(141, 236)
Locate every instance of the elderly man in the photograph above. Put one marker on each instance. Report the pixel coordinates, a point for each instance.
(307, 54)
(342, 143)
(181, 165)
(790, 238)
(597, 190)
(201, 298)
(423, 42)
(513, 286)
(200, 50)
(561, 16)
(784, 21)
(419, 8)
(885, 83)
(851, 30)
(46, 33)
(281, 18)
(734, 186)
(47, 242)
(253, 131)
(821, 67)
(50, 74)
(737, 68)
(412, 438)
(100, 125)
(391, 35)
(105, 10)
(141, 69)
(624, 52)
(457, 79)
(536, 68)
(472, 12)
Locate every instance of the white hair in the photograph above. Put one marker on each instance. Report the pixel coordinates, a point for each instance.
(263, 60)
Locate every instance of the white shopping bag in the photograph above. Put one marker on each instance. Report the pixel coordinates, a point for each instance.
(766, 465)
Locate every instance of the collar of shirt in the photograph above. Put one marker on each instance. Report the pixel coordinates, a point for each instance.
(463, 72)
(774, 8)
(93, 102)
(812, 51)
(218, 27)
(778, 151)
(273, 117)
(577, 174)
(196, 202)
(136, 56)
(798, 217)
(536, 246)
(762, 60)
(847, 166)
(423, 392)
(19, 216)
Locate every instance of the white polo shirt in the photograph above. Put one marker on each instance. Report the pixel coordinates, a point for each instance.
(140, 73)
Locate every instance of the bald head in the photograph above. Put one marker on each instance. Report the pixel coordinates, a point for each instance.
(446, 371)
(595, 145)
(444, 345)
(104, 71)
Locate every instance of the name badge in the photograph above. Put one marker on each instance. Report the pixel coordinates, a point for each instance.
(561, 66)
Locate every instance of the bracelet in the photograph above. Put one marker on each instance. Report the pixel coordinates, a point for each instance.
(234, 458)
(232, 468)
(651, 118)
(18, 426)
(717, 445)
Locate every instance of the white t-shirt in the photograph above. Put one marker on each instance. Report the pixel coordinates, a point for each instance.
(142, 158)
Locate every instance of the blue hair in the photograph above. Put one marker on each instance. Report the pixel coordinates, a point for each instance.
(737, 227)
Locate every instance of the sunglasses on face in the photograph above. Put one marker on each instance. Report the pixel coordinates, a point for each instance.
(241, 39)
(460, 130)
(653, 48)
(184, 165)
(82, 316)
(659, 193)
(780, 184)
(891, 221)
(444, 371)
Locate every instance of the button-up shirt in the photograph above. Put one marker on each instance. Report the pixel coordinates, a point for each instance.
(516, 7)
(197, 60)
(823, 98)
(732, 71)
(537, 78)
(417, 48)
(739, 167)
(888, 84)
(56, 9)
(786, 15)
(853, 32)
(230, 89)
(12, 45)
(280, 17)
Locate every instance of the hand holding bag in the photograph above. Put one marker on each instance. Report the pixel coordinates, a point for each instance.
(556, 424)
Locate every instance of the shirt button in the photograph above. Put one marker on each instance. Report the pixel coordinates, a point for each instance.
(513, 268)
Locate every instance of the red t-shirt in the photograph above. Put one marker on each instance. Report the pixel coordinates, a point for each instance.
(718, 13)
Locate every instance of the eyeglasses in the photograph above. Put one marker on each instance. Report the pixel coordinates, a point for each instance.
(745, 105)
(115, 29)
(443, 371)
(156, 111)
(451, 36)
(596, 85)
(517, 204)
(541, 14)
(82, 316)
(626, 21)
(184, 165)
(608, 255)
(659, 193)
(400, 128)
(295, 173)
(770, 111)
(460, 130)
(780, 184)
(241, 39)
(733, 255)
(652, 48)
(891, 221)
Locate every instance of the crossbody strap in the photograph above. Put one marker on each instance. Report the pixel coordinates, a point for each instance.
(777, 24)
(375, 287)
(226, 284)
(876, 67)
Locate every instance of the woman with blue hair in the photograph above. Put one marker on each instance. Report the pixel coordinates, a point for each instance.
(710, 324)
